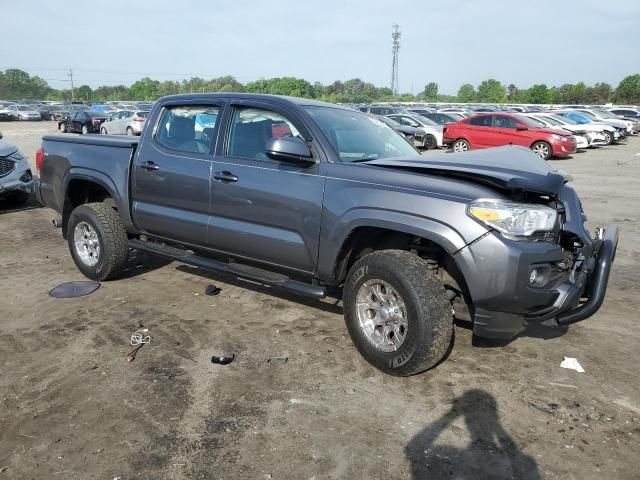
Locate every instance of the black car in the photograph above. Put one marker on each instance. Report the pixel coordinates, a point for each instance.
(82, 121)
(52, 112)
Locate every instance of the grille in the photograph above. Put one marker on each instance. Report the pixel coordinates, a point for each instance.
(6, 166)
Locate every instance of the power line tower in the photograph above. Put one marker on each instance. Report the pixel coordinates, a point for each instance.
(395, 35)
(70, 75)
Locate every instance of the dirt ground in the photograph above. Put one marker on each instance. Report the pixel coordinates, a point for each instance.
(299, 402)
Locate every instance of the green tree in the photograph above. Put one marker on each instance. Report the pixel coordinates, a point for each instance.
(145, 89)
(628, 90)
(430, 91)
(600, 93)
(512, 92)
(83, 93)
(466, 93)
(539, 94)
(491, 91)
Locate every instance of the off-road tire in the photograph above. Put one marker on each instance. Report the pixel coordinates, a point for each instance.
(114, 247)
(429, 314)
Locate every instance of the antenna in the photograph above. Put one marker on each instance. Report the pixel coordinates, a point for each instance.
(395, 35)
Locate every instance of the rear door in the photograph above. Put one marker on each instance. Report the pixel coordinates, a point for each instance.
(264, 209)
(479, 131)
(172, 173)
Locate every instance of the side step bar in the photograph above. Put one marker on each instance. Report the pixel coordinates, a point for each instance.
(237, 270)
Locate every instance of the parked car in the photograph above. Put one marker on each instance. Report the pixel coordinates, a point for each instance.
(382, 109)
(634, 125)
(442, 118)
(632, 113)
(623, 126)
(595, 134)
(16, 180)
(315, 198)
(583, 140)
(81, 121)
(415, 136)
(611, 133)
(432, 131)
(124, 122)
(494, 130)
(51, 112)
(23, 112)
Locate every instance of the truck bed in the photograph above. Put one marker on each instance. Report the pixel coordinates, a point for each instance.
(122, 141)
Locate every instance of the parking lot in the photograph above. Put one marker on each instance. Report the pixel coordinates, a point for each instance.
(299, 401)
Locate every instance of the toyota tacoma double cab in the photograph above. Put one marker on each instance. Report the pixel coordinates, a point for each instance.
(323, 200)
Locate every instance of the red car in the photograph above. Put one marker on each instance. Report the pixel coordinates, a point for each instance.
(497, 129)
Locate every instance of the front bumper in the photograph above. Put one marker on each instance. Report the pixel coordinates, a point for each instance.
(498, 273)
(563, 148)
(19, 180)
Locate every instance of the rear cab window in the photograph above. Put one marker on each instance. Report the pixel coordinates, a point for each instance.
(187, 128)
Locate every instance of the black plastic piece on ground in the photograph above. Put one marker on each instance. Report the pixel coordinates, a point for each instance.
(223, 359)
(74, 289)
(212, 290)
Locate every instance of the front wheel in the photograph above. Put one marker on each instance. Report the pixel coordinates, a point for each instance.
(543, 149)
(63, 128)
(85, 130)
(103, 131)
(97, 241)
(461, 145)
(397, 312)
(608, 138)
(430, 142)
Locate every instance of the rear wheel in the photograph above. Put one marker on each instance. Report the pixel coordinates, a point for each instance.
(543, 149)
(130, 131)
(62, 127)
(97, 241)
(85, 130)
(397, 312)
(461, 145)
(103, 131)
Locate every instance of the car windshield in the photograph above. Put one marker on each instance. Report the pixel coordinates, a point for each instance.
(24, 108)
(605, 114)
(142, 114)
(358, 137)
(426, 121)
(532, 122)
(564, 119)
(589, 115)
(390, 121)
(550, 119)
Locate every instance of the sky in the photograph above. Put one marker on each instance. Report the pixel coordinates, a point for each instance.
(451, 43)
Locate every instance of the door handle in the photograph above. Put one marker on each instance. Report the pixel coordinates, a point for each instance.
(149, 165)
(225, 176)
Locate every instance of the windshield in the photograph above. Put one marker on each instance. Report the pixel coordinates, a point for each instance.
(390, 121)
(551, 120)
(356, 136)
(605, 114)
(532, 122)
(143, 114)
(22, 108)
(562, 118)
(427, 121)
(588, 115)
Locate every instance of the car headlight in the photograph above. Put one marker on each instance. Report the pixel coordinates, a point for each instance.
(17, 155)
(560, 138)
(513, 220)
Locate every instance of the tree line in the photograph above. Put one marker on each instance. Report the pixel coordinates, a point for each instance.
(17, 84)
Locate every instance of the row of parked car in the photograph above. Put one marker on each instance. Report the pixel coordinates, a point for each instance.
(35, 111)
(548, 132)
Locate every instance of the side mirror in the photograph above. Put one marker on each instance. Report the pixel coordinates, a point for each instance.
(289, 149)
(522, 128)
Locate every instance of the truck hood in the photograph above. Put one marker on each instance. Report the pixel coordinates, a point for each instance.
(7, 149)
(506, 168)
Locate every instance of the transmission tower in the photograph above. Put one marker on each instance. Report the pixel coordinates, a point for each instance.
(395, 35)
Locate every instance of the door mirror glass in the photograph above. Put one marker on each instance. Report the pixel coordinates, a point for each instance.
(289, 149)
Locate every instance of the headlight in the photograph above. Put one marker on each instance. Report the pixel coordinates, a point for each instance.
(560, 138)
(511, 219)
(17, 155)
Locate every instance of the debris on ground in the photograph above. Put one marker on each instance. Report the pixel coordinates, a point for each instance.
(74, 289)
(277, 360)
(572, 364)
(138, 340)
(223, 359)
(212, 290)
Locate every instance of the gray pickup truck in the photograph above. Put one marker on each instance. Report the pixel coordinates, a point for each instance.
(324, 200)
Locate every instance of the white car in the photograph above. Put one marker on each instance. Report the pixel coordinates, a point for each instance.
(23, 112)
(431, 129)
(598, 116)
(586, 135)
(572, 116)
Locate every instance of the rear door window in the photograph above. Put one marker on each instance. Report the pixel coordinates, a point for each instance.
(187, 128)
(482, 121)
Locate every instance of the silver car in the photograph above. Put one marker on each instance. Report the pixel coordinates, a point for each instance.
(23, 112)
(16, 180)
(125, 122)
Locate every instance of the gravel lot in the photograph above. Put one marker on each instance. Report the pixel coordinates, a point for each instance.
(72, 408)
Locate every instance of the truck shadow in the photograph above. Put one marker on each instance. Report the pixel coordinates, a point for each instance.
(329, 304)
(490, 453)
(533, 330)
(6, 206)
(140, 263)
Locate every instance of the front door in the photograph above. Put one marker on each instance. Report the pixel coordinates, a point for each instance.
(172, 174)
(264, 209)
